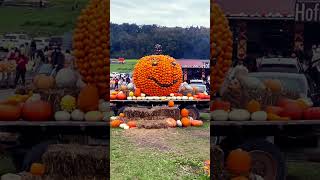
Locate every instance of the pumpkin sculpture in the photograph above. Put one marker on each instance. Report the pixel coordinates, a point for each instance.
(91, 45)
(157, 75)
(221, 47)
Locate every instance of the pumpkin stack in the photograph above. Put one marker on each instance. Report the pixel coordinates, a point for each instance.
(221, 47)
(91, 45)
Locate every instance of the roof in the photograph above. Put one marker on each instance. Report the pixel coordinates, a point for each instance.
(271, 9)
(194, 63)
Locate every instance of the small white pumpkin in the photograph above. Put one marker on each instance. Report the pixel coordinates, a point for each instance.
(112, 118)
(191, 98)
(129, 98)
(134, 98)
(122, 125)
(66, 77)
(163, 98)
(171, 94)
(34, 97)
(126, 127)
(156, 98)
(259, 116)
(179, 98)
(239, 115)
(62, 116)
(10, 176)
(220, 115)
(104, 107)
(184, 98)
(93, 116)
(143, 98)
(143, 95)
(139, 98)
(77, 115)
(179, 123)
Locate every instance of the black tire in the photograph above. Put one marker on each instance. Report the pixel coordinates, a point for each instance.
(193, 112)
(263, 145)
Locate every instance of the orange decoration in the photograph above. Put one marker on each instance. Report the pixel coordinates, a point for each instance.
(37, 169)
(196, 123)
(88, 99)
(9, 112)
(121, 115)
(132, 124)
(112, 97)
(184, 113)
(239, 162)
(137, 92)
(185, 122)
(157, 75)
(221, 47)
(91, 45)
(115, 123)
(253, 106)
(171, 103)
(171, 122)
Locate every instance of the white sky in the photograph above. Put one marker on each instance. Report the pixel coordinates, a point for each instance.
(170, 13)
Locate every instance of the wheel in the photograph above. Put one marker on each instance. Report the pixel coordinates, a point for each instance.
(268, 161)
(193, 112)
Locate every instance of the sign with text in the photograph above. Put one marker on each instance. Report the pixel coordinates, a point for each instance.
(307, 11)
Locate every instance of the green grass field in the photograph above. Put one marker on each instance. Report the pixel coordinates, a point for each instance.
(124, 68)
(55, 20)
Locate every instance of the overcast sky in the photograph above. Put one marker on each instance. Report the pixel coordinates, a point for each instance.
(170, 13)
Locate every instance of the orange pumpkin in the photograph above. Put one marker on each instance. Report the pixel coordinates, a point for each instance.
(196, 123)
(88, 99)
(113, 97)
(221, 47)
(115, 123)
(189, 95)
(239, 162)
(121, 115)
(171, 103)
(274, 110)
(157, 75)
(10, 112)
(37, 111)
(253, 106)
(137, 92)
(132, 124)
(91, 45)
(220, 105)
(37, 169)
(121, 96)
(185, 122)
(274, 86)
(184, 112)
(171, 122)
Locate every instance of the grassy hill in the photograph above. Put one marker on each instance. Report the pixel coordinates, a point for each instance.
(54, 20)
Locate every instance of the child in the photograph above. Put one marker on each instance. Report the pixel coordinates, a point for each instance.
(21, 69)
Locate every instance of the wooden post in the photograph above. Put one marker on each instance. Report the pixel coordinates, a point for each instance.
(242, 40)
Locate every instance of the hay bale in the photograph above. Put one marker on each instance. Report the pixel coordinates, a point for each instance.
(71, 160)
(29, 176)
(152, 124)
(153, 113)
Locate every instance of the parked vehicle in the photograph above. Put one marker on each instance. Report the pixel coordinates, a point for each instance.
(286, 65)
(14, 40)
(41, 42)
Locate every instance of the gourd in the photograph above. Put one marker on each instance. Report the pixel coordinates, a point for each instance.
(259, 116)
(62, 116)
(293, 111)
(253, 106)
(311, 113)
(184, 98)
(239, 115)
(184, 112)
(68, 103)
(129, 98)
(220, 115)
(77, 115)
(137, 92)
(104, 107)
(43, 81)
(274, 109)
(131, 94)
(88, 99)
(191, 98)
(121, 96)
(93, 116)
(115, 123)
(239, 162)
(37, 111)
(65, 78)
(185, 122)
(171, 122)
(171, 103)
(252, 83)
(179, 123)
(134, 98)
(9, 112)
(196, 123)
(37, 169)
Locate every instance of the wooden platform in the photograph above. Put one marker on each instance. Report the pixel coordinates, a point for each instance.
(265, 123)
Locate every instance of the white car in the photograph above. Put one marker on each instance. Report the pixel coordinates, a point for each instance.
(9, 41)
(41, 42)
(284, 65)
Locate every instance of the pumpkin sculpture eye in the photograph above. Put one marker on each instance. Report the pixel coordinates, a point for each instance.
(174, 63)
(154, 63)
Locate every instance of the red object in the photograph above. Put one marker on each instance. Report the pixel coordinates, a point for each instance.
(121, 96)
(22, 61)
(37, 111)
(274, 110)
(220, 105)
(292, 110)
(121, 60)
(284, 101)
(312, 113)
(132, 124)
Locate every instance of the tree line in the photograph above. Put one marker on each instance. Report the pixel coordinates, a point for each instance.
(133, 42)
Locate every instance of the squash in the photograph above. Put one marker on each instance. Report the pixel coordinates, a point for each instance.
(184, 113)
(104, 107)
(293, 111)
(37, 169)
(66, 78)
(132, 124)
(273, 85)
(274, 117)
(312, 113)
(37, 111)
(62, 116)
(9, 112)
(259, 116)
(113, 97)
(42, 81)
(196, 123)
(171, 103)
(179, 97)
(115, 123)
(184, 97)
(129, 98)
(68, 103)
(191, 98)
(185, 122)
(134, 98)
(137, 92)
(121, 96)
(77, 115)
(171, 94)
(171, 122)
(253, 106)
(239, 115)
(93, 116)
(88, 99)
(220, 105)
(179, 123)
(220, 115)
(131, 94)
(274, 109)
(239, 162)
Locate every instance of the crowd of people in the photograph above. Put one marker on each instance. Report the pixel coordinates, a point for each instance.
(118, 81)
(29, 58)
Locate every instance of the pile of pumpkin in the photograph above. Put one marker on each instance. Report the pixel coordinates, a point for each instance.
(285, 109)
(37, 170)
(7, 66)
(185, 121)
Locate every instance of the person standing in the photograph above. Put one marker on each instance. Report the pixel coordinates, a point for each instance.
(58, 59)
(33, 49)
(21, 61)
(69, 61)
